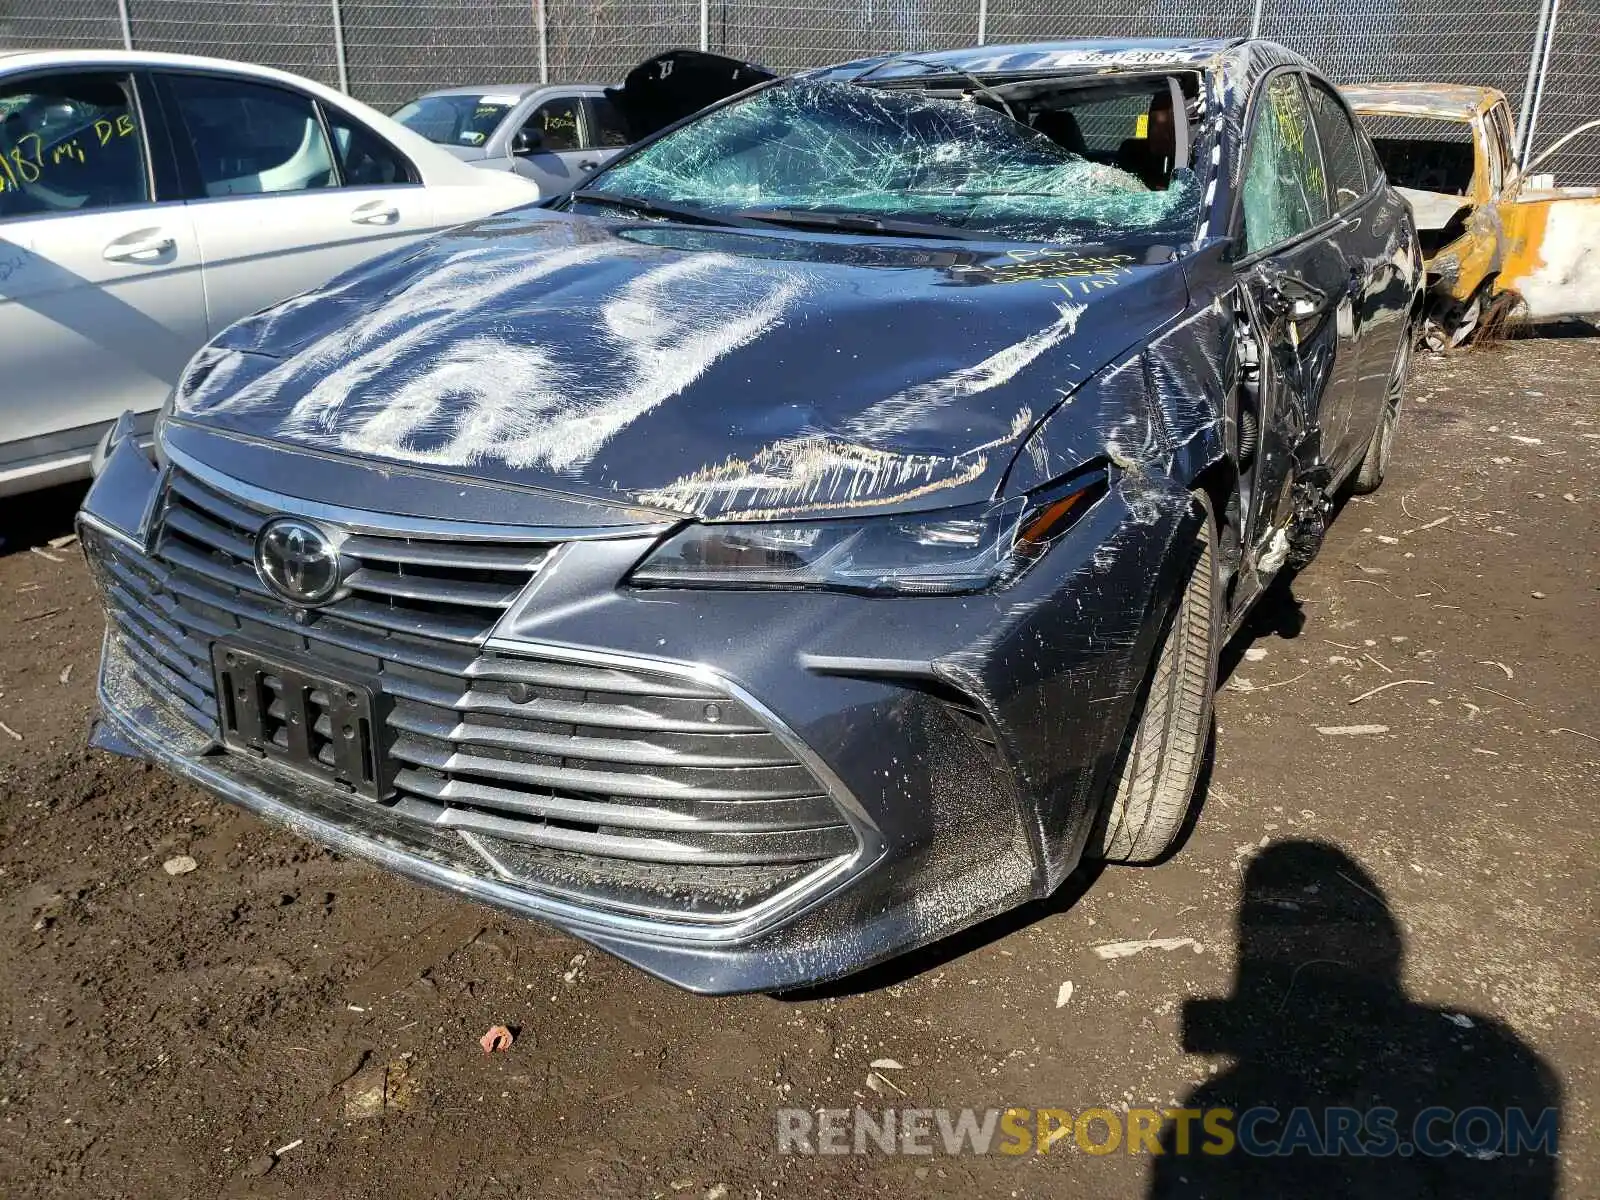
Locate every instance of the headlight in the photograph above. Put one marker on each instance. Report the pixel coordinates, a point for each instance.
(940, 553)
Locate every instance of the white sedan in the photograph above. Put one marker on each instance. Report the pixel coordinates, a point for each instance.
(149, 200)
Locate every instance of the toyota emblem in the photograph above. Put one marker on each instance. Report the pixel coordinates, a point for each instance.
(298, 561)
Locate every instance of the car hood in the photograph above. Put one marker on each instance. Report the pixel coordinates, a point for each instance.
(709, 372)
(673, 85)
(1432, 210)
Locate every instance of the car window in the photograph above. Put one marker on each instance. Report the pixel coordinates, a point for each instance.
(69, 143)
(1428, 154)
(251, 138)
(607, 129)
(365, 159)
(556, 123)
(1497, 159)
(1105, 124)
(1500, 122)
(1284, 193)
(1341, 148)
(457, 119)
(1132, 130)
(1369, 152)
(1499, 151)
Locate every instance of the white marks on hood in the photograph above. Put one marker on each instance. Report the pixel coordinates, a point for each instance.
(799, 475)
(657, 335)
(430, 314)
(538, 359)
(340, 361)
(906, 409)
(431, 376)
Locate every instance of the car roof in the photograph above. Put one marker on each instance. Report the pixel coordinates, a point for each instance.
(1450, 101)
(468, 89)
(1099, 53)
(519, 90)
(134, 59)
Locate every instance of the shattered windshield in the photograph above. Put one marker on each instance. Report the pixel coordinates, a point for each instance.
(839, 148)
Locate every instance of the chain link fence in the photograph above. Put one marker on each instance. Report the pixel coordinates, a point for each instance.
(1568, 92)
(1544, 54)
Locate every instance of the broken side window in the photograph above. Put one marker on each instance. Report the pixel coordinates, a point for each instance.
(1427, 154)
(1284, 189)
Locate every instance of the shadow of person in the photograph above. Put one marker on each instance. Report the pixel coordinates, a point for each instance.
(1341, 1086)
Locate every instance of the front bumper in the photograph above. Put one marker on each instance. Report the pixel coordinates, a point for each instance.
(963, 743)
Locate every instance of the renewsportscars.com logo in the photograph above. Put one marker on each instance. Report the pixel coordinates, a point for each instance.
(1435, 1132)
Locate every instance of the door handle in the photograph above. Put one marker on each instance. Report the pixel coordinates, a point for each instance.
(146, 245)
(589, 165)
(378, 212)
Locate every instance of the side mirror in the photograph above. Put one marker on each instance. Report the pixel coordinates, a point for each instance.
(526, 141)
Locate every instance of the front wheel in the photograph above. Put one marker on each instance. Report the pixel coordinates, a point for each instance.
(1375, 463)
(1163, 751)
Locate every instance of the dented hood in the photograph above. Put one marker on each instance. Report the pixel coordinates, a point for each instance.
(708, 372)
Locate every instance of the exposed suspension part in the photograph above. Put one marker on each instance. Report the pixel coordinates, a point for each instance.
(1312, 507)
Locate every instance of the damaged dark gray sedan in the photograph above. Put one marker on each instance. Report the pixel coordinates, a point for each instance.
(813, 536)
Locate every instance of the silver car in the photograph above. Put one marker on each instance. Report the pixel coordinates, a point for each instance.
(560, 135)
(555, 136)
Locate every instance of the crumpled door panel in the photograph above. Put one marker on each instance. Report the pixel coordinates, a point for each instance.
(1552, 257)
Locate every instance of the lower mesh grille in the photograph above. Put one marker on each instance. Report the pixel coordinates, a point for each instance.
(616, 784)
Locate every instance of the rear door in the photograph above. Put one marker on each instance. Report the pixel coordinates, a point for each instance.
(1295, 278)
(1372, 234)
(548, 148)
(1551, 238)
(101, 302)
(284, 192)
(605, 133)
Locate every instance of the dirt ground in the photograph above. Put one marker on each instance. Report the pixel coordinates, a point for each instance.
(1402, 913)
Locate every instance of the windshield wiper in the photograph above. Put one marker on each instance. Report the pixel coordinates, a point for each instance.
(858, 223)
(658, 208)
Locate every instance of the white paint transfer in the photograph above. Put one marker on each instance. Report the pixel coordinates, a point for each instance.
(850, 466)
(908, 408)
(474, 395)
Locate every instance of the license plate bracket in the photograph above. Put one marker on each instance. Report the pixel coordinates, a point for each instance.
(322, 726)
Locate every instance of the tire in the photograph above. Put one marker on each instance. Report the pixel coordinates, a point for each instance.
(1163, 751)
(1375, 463)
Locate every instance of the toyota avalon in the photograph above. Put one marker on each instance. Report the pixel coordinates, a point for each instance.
(811, 536)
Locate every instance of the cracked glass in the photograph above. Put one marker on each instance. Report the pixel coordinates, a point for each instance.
(837, 148)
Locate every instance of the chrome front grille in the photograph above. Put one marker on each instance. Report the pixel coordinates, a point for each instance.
(454, 591)
(640, 788)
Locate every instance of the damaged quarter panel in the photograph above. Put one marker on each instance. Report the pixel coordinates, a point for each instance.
(756, 563)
